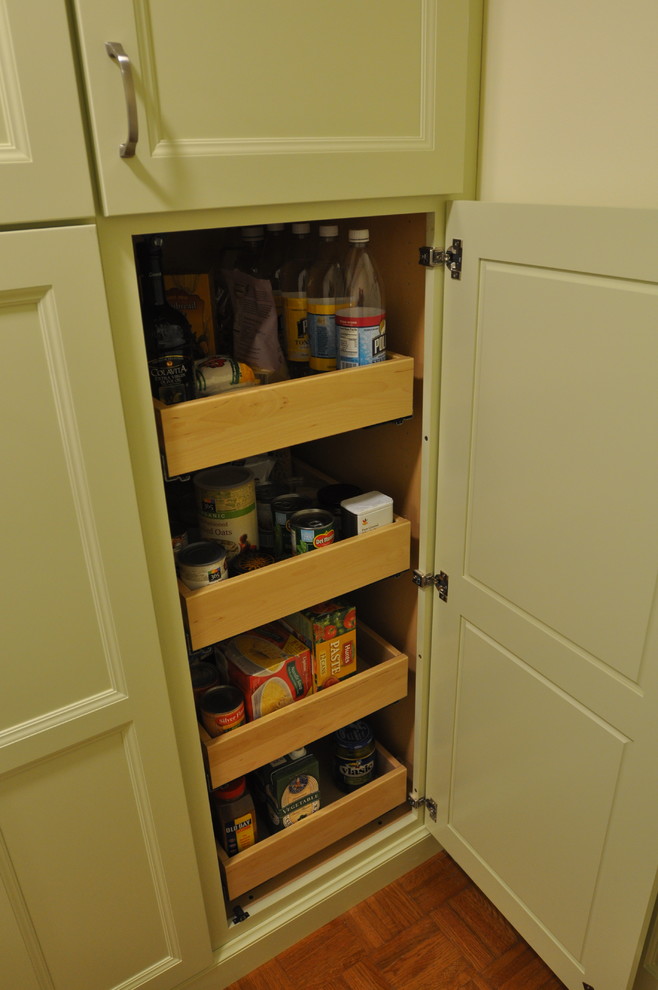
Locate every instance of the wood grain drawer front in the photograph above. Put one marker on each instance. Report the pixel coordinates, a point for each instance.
(239, 603)
(311, 835)
(381, 680)
(220, 428)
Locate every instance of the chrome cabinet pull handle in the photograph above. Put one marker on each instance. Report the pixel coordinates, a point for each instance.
(116, 52)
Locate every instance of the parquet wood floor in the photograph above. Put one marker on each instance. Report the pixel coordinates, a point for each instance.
(432, 929)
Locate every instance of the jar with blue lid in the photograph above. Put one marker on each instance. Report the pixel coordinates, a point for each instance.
(354, 756)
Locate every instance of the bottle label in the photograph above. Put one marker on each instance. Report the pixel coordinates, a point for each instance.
(170, 376)
(295, 320)
(361, 339)
(322, 334)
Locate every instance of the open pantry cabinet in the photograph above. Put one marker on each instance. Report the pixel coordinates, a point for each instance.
(362, 426)
(518, 719)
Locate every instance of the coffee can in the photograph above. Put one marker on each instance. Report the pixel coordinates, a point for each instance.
(311, 529)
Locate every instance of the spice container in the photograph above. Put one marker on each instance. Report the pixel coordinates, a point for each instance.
(236, 816)
(354, 756)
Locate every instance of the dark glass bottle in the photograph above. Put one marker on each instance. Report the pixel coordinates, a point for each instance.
(170, 343)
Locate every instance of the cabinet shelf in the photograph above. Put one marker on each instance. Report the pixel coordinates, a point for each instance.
(220, 610)
(381, 680)
(221, 428)
(344, 815)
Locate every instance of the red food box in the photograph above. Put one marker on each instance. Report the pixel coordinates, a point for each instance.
(329, 631)
(270, 666)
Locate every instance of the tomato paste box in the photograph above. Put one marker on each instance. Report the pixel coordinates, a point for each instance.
(329, 630)
(270, 666)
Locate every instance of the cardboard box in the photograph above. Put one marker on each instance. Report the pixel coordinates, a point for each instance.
(192, 295)
(329, 631)
(270, 666)
(288, 788)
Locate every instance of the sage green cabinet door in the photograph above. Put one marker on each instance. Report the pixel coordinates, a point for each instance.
(44, 170)
(544, 703)
(279, 102)
(99, 886)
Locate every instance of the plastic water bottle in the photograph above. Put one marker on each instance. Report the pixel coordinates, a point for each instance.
(325, 291)
(361, 323)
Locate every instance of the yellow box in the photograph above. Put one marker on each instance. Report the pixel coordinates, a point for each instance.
(329, 631)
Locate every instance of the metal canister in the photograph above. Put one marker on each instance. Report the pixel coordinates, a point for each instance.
(330, 498)
(311, 529)
(283, 508)
(265, 496)
(204, 676)
(226, 507)
(222, 709)
(354, 756)
(202, 563)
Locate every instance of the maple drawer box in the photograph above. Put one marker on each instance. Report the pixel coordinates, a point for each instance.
(221, 428)
(336, 819)
(220, 610)
(381, 679)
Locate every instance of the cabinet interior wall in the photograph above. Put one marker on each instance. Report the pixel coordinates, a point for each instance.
(385, 457)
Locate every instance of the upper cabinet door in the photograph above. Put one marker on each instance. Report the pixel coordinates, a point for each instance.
(239, 104)
(44, 169)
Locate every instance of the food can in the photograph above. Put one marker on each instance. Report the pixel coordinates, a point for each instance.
(354, 756)
(204, 676)
(283, 508)
(226, 507)
(311, 529)
(222, 709)
(265, 495)
(250, 560)
(221, 373)
(202, 563)
(330, 498)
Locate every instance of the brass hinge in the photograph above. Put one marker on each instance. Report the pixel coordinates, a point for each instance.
(421, 802)
(431, 257)
(439, 581)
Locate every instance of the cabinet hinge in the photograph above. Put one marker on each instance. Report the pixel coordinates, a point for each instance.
(439, 581)
(239, 914)
(421, 802)
(431, 257)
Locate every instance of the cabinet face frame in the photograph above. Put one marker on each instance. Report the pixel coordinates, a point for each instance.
(115, 236)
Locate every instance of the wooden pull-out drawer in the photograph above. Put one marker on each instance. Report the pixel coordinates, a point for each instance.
(226, 427)
(345, 814)
(381, 679)
(231, 606)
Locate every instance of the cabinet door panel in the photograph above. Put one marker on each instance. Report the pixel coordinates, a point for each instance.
(275, 103)
(43, 157)
(95, 840)
(544, 710)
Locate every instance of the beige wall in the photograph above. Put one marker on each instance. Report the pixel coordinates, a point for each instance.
(570, 102)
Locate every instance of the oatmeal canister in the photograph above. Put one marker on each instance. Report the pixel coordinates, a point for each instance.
(222, 709)
(354, 756)
(311, 529)
(202, 563)
(226, 507)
